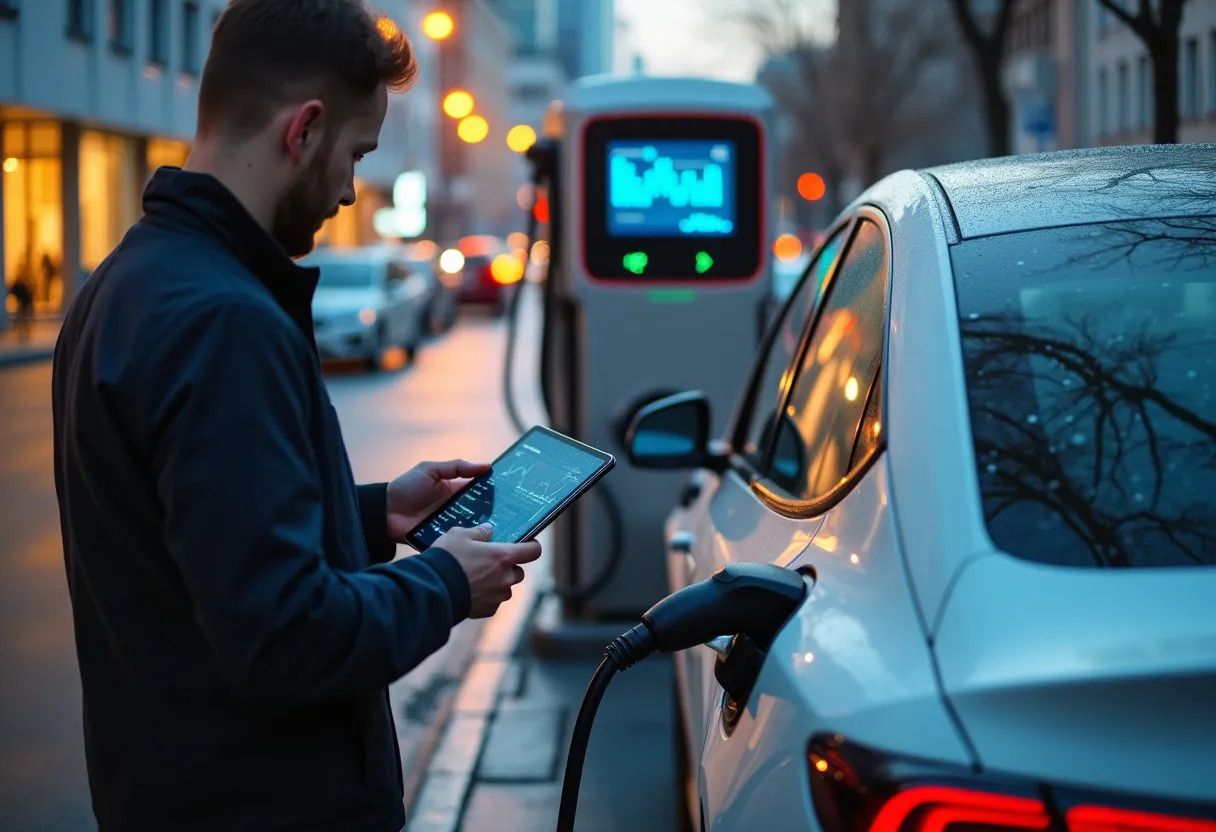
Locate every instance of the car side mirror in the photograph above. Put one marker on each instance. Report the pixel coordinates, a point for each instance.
(672, 432)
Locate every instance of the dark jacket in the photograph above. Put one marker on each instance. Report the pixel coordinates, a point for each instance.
(235, 639)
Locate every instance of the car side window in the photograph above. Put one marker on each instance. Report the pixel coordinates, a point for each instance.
(774, 377)
(814, 449)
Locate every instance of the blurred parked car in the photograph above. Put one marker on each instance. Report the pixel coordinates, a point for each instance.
(481, 282)
(368, 300)
(984, 426)
(441, 302)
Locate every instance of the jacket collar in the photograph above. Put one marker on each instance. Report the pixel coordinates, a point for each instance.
(198, 202)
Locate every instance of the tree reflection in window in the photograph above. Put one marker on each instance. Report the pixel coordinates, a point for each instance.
(1090, 365)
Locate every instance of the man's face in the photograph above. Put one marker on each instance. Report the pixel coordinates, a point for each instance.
(326, 180)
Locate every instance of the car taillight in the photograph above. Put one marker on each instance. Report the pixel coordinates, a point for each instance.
(938, 808)
(1104, 819)
(856, 789)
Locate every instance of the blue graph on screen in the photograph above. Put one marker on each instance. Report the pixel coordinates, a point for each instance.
(671, 188)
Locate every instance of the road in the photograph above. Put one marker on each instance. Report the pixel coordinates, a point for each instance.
(447, 404)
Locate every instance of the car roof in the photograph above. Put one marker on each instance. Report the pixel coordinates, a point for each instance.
(1072, 187)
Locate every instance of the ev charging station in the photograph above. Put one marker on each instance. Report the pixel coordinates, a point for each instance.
(659, 273)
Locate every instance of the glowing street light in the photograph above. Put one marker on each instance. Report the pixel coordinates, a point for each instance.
(811, 187)
(451, 261)
(787, 248)
(438, 25)
(458, 103)
(472, 129)
(520, 138)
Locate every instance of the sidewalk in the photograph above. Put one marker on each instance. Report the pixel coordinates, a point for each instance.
(500, 763)
(38, 345)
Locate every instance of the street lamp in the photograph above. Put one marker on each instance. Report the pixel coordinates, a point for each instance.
(458, 104)
(472, 129)
(520, 138)
(438, 25)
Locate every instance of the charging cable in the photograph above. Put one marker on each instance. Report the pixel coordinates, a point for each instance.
(751, 601)
(544, 157)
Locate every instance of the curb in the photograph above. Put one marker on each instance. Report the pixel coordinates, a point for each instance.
(446, 784)
(16, 358)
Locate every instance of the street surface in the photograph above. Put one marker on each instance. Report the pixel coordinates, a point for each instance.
(448, 404)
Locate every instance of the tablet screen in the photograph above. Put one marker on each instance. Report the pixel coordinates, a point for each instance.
(535, 477)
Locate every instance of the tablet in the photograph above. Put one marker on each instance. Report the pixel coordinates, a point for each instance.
(530, 484)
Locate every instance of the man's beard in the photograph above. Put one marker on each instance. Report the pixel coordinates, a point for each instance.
(303, 209)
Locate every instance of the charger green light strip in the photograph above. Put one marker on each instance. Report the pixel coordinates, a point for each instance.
(671, 295)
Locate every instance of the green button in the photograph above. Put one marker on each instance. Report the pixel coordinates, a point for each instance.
(704, 262)
(635, 262)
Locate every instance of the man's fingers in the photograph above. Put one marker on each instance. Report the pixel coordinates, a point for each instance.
(522, 552)
(454, 469)
(517, 575)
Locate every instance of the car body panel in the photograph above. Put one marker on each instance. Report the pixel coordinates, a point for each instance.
(928, 425)
(853, 660)
(727, 524)
(1117, 698)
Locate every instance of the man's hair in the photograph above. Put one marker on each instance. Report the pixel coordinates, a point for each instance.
(265, 53)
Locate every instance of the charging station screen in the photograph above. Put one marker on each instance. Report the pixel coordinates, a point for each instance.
(667, 188)
(673, 198)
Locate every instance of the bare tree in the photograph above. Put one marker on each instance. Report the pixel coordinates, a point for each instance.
(857, 96)
(988, 52)
(1157, 23)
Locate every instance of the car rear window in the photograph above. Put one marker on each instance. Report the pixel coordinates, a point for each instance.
(340, 275)
(1090, 360)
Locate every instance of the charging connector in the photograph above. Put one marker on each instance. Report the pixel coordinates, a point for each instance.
(753, 600)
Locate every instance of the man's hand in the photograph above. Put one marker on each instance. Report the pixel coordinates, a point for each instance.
(424, 488)
(492, 568)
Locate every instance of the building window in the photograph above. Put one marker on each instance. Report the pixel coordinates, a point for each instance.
(165, 153)
(119, 23)
(1103, 111)
(109, 202)
(190, 38)
(1122, 92)
(80, 19)
(1144, 91)
(1190, 78)
(9, 9)
(158, 35)
(33, 211)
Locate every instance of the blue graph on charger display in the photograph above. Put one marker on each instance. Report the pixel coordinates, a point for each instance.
(671, 188)
(524, 486)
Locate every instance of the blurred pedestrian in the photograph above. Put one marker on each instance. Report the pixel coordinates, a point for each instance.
(24, 295)
(238, 610)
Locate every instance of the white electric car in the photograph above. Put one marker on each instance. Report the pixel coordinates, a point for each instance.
(984, 426)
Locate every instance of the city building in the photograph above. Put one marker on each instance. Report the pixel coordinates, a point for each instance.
(475, 193)
(94, 96)
(586, 34)
(1077, 76)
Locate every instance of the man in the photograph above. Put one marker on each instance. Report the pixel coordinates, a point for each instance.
(237, 617)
